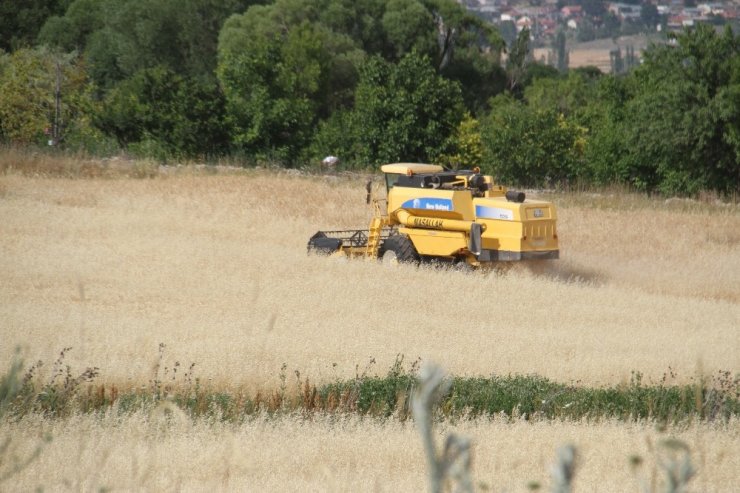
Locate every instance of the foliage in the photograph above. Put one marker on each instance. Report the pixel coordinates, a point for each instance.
(409, 26)
(293, 66)
(531, 146)
(466, 147)
(372, 81)
(279, 80)
(469, 53)
(427, 394)
(559, 52)
(519, 55)
(11, 383)
(649, 15)
(177, 116)
(529, 397)
(121, 38)
(694, 87)
(670, 125)
(605, 148)
(71, 30)
(28, 79)
(567, 95)
(402, 112)
(11, 387)
(20, 21)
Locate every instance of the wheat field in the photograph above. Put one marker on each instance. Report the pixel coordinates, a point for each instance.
(214, 266)
(350, 454)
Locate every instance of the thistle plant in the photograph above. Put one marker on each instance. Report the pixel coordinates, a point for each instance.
(454, 461)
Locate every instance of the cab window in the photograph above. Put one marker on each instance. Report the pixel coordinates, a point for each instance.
(390, 180)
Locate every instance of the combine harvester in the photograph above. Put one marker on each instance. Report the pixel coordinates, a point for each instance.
(457, 217)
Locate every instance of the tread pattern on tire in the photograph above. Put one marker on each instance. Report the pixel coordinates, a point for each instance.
(403, 248)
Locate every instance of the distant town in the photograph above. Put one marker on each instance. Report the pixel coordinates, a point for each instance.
(588, 20)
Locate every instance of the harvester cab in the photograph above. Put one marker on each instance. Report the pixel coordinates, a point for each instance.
(450, 216)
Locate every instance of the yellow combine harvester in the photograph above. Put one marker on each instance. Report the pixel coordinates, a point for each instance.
(461, 217)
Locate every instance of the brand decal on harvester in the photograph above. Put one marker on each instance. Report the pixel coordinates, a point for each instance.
(428, 222)
(482, 211)
(428, 203)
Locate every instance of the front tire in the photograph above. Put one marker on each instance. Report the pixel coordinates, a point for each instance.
(399, 249)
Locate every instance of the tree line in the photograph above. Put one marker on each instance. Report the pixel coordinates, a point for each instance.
(370, 81)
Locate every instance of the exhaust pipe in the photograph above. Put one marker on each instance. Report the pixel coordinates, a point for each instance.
(513, 196)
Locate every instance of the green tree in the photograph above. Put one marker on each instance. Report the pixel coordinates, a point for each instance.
(517, 62)
(684, 117)
(649, 15)
(402, 112)
(568, 95)
(593, 8)
(174, 115)
(71, 31)
(616, 61)
(560, 52)
(28, 106)
(121, 37)
(461, 46)
(586, 31)
(457, 28)
(606, 150)
(409, 26)
(470, 53)
(279, 77)
(20, 21)
(465, 146)
(508, 32)
(531, 146)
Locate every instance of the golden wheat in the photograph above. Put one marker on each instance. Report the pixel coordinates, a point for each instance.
(332, 453)
(215, 267)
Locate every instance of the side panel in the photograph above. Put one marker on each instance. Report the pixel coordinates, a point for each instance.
(445, 204)
(501, 234)
(436, 243)
(517, 227)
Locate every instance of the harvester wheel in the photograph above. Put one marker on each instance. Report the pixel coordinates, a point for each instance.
(398, 248)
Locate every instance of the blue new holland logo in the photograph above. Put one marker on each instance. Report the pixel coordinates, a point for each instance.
(428, 203)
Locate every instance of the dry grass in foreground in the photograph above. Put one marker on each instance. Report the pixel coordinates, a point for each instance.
(142, 452)
(215, 267)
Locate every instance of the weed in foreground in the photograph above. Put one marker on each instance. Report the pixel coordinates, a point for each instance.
(450, 470)
(11, 386)
(429, 390)
(527, 397)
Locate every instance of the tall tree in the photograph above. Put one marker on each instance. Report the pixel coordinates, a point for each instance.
(44, 95)
(685, 116)
(560, 50)
(402, 112)
(182, 117)
(121, 37)
(20, 21)
(531, 146)
(409, 26)
(280, 72)
(516, 63)
(71, 30)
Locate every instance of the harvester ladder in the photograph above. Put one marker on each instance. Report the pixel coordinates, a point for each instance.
(377, 223)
